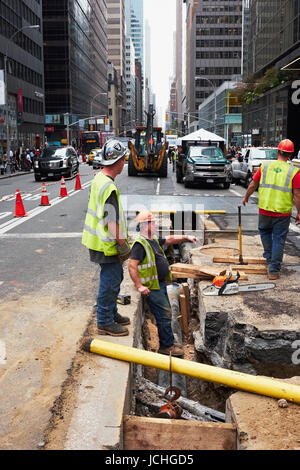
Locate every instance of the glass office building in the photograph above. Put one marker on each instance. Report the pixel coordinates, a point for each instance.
(137, 29)
(75, 57)
(273, 42)
(214, 45)
(23, 48)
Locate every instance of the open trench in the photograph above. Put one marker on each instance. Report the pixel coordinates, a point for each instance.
(201, 402)
(206, 399)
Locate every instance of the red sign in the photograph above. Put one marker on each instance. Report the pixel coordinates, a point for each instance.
(20, 100)
(49, 129)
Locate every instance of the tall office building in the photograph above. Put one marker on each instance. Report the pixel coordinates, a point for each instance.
(273, 47)
(130, 122)
(147, 63)
(135, 29)
(23, 48)
(75, 56)
(178, 65)
(116, 35)
(214, 45)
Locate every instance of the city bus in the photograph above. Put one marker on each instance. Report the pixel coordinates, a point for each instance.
(90, 140)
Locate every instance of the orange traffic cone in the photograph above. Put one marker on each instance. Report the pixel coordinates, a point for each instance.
(44, 199)
(78, 183)
(19, 210)
(63, 189)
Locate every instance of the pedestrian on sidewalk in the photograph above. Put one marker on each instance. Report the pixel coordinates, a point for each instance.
(278, 183)
(149, 270)
(105, 235)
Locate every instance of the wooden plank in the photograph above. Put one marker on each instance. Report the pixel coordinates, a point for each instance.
(200, 272)
(231, 259)
(250, 269)
(184, 313)
(186, 291)
(185, 275)
(173, 434)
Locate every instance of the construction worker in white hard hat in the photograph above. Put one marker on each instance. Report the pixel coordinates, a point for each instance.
(278, 184)
(149, 270)
(105, 234)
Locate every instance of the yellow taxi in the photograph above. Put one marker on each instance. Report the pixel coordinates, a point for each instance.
(92, 155)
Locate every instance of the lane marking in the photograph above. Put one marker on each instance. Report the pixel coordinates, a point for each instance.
(235, 192)
(9, 225)
(158, 186)
(4, 214)
(41, 235)
(1, 282)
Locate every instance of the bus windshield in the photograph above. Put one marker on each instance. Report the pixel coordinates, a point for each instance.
(90, 141)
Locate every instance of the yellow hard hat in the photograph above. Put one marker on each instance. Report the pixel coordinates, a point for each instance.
(144, 216)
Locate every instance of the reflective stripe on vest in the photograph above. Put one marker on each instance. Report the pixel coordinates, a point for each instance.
(148, 270)
(284, 188)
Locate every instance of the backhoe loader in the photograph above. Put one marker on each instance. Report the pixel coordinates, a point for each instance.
(148, 152)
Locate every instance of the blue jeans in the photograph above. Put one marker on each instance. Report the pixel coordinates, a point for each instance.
(273, 232)
(160, 307)
(111, 276)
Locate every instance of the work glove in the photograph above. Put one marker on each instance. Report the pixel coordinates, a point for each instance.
(123, 251)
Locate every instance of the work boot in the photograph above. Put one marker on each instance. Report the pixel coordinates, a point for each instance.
(122, 320)
(273, 276)
(113, 329)
(174, 350)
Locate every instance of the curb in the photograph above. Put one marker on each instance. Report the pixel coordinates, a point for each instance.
(11, 175)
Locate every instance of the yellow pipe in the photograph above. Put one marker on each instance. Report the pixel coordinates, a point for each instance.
(239, 380)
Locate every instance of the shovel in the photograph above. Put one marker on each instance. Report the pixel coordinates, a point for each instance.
(241, 261)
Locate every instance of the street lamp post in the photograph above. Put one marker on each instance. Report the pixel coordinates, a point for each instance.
(92, 100)
(215, 97)
(36, 26)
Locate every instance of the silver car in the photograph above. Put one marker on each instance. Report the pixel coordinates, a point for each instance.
(97, 162)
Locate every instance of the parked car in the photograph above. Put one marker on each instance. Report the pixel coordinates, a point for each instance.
(92, 155)
(56, 161)
(97, 161)
(248, 161)
(203, 165)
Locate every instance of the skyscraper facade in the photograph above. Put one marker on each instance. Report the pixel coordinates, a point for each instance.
(23, 48)
(116, 35)
(214, 47)
(271, 112)
(137, 29)
(75, 56)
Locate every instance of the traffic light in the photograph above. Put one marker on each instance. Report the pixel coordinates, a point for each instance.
(167, 117)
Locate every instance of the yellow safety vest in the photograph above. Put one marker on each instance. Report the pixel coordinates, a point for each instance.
(275, 186)
(147, 268)
(96, 235)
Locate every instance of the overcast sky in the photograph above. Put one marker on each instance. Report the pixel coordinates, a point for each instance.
(161, 15)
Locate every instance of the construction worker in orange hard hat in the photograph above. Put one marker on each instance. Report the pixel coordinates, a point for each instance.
(278, 183)
(149, 270)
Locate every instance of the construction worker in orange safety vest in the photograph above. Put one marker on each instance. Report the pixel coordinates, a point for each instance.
(278, 184)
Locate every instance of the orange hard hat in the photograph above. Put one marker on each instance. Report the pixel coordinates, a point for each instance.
(286, 145)
(144, 216)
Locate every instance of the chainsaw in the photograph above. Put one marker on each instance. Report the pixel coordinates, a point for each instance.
(227, 285)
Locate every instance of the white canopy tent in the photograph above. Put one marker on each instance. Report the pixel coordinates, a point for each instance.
(203, 135)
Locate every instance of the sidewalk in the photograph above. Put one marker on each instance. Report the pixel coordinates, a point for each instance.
(17, 173)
